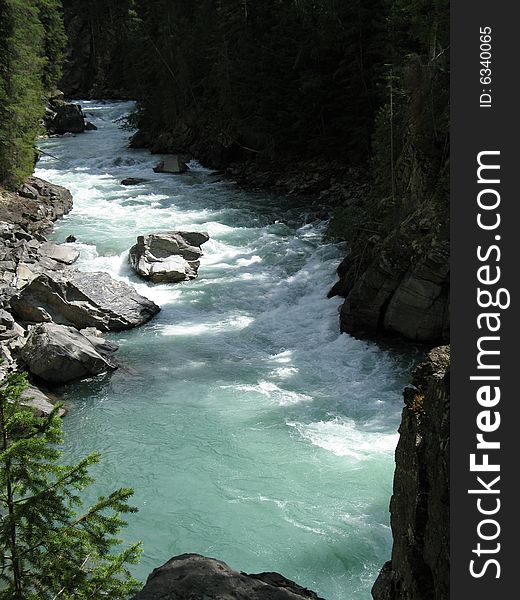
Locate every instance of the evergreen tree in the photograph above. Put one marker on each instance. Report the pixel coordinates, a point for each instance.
(55, 40)
(49, 551)
(21, 87)
(31, 45)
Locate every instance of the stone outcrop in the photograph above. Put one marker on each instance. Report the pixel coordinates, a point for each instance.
(35, 205)
(397, 285)
(24, 252)
(62, 117)
(83, 300)
(409, 299)
(419, 567)
(59, 354)
(195, 577)
(168, 257)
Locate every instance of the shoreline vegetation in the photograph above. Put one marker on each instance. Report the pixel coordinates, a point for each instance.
(352, 114)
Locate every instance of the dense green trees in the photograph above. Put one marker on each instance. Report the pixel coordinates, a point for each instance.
(31, 47)
(410, 150)
(101, 32)
(279, 77)
(233, 79)
(47, 549)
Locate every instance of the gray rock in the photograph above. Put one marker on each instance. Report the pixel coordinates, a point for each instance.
(11, 340)
(59, 253)
(90, 126)
(40, 402)
(168, 257)
(171, 164)
(195, 577)
(60, 354)
(103, 346)
(396, 296)
(9, 328)
(83, 300)
(35, 205)
(67, 118)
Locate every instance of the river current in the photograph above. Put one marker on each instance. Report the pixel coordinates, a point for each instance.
(250, 429)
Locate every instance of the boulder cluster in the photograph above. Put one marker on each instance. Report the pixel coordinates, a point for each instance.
(168, 257)
(52, 316)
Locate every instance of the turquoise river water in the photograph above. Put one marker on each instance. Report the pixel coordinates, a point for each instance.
(250, 429)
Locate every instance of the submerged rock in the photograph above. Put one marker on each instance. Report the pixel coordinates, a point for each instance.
(90, 126)
(168, 257)
(59, 354)
(83, 300)
(195, 577)
(171, 164)
(133, 181)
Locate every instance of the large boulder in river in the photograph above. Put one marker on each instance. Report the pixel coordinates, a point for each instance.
(195, 577)
(173, 163)
(168, 257)
(60, 354)
(66, 118)
(83, 300)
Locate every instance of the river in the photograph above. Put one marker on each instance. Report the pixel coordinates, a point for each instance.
(250, 429)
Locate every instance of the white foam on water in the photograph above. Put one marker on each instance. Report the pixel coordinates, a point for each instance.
(343, 437)
(234, 323)
(273, 392)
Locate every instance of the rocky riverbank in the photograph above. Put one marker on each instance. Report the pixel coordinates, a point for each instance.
(51, 315)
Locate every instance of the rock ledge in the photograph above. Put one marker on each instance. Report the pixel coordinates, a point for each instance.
(195, 577)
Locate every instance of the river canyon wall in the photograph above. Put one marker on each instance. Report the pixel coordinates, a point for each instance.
(419, 508)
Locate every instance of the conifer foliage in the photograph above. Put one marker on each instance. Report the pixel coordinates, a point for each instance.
(32, 41)
(51, 546)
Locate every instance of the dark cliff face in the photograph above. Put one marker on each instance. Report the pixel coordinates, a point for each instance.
(419, 568)
(396, 288)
